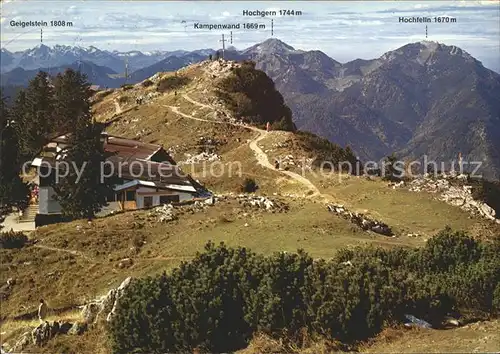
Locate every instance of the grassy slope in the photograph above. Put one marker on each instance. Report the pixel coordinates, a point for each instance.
(66, 279)
(481, 337)
(63, 278)
(407, 212)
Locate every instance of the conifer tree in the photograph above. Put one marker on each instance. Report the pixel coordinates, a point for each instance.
(13, 191)
(81, 192)
(392, 172)
(34, 114)
(18, 114)
(72, 99)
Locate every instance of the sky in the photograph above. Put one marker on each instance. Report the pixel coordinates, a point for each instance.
(344, 30)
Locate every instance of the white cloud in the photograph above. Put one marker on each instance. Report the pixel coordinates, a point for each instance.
(72, 10)
(344, 30)
(473, 3)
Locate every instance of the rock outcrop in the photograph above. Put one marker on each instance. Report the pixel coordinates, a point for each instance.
(105, 306)
(261, 202)
(201, 157)
(164, 213)
(453, 191)
(361, 220)
(289, 161)
(46, 331)
(22, 342)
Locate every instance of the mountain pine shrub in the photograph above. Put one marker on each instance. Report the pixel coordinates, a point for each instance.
(252, 97)
(221, 298)
(13, 239)
(249, 185)
(172, 83)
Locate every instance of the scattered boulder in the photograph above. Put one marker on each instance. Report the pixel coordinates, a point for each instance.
(64, 327)
(261, 202)
(220, 68)
(22, 343)
(196, 207)
(164, 213)
(451, 190)
(395, 185)
(210, 200)
(78, 328)
(90, 311)
(412, 321)
(204, 156)
(108, 302)
(44, 332)
(412, 234)
(451, 322)
(117, 296)
(105, 306)
(361, 220)
(125, 263)
(283, 144)
(289, 161)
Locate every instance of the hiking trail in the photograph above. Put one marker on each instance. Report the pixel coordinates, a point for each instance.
(260, 155)
(55, 249)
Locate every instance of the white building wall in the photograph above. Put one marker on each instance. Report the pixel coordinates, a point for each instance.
(48, 205)
(184, 196)
(46, 202)
(151, 192)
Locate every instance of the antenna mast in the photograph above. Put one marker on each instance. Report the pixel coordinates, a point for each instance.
(223, 45)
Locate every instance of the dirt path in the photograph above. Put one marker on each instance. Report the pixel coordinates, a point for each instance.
(176, 111)
(261, 156)
(81, 254)
(263, 160)
(185, 96)
(55, 249)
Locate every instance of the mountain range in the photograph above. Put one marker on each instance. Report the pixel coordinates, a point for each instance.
(425, 98)
(43, 56)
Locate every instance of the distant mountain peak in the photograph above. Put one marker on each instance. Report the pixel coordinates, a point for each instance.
(276, 46)
(427, 53)
(271, 46)
(276, 43)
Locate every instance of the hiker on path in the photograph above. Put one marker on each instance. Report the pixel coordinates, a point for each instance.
(42, 311)
(277, 164)
(268, 126)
